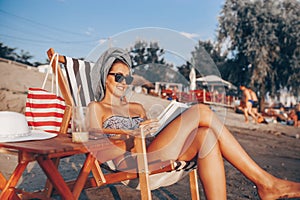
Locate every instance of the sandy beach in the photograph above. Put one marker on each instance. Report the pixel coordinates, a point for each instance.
(275, 147)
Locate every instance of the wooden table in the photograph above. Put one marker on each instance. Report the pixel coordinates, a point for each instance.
(43, 151)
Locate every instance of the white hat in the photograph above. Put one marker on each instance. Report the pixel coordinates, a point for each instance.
(14, 128)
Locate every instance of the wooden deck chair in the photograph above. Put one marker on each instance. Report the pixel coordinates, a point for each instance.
(77, 74)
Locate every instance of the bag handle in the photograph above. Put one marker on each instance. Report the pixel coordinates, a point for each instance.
(55, 55)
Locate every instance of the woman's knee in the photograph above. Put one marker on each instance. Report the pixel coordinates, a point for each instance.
(202, 133)
(205, 115)
(207, 141)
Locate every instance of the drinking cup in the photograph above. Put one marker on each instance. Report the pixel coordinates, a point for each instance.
(80, 124)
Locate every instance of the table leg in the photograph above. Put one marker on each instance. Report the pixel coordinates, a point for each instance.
(13, 180)
(55, 177)
(83, 175)
(3, 181)
(49, 186)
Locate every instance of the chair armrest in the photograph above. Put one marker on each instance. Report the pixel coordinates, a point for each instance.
(133, 133)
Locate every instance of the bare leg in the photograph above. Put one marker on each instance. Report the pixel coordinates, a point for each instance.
(246, 114)
(249, 110)
(173, 136)
(211, 166)
(236, 155)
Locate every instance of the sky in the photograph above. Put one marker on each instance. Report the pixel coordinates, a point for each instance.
(76, 27)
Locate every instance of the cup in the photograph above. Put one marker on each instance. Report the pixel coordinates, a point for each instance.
(80, 124)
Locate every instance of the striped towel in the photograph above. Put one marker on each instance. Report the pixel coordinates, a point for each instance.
(78, 75)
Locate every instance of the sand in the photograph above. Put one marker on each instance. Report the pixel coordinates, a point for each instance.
(275, 147)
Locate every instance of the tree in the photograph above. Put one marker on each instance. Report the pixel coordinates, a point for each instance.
(24, 57)
(149, 62)
(10, 54)
(208, 58)
(288, 67)
(256, 33)
(7, 52)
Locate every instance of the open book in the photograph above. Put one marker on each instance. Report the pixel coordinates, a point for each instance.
(170, 113)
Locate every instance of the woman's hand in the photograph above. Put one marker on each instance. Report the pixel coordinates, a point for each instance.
(149, 127)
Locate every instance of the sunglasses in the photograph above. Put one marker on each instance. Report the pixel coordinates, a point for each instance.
(120, 77)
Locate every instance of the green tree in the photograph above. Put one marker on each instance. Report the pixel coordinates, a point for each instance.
(24, 57)
(259, 39)
(203, 56)
(7, 52)
(288, 66)
(149, 62)
(10, 54)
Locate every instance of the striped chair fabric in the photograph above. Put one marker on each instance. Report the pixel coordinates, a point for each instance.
(78, 74)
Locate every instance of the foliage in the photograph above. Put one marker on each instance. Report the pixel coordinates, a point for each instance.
(149, 62)
(207, 58)
(10, 54)
(262, 37)
(7, 52)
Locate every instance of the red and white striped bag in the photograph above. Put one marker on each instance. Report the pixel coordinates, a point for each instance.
(44, 109)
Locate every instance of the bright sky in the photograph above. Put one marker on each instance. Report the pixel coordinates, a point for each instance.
(76, 27)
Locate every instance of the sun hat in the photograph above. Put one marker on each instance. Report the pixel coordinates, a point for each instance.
(14, 128)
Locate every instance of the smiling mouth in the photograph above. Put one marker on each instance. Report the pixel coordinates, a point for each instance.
(121, 88)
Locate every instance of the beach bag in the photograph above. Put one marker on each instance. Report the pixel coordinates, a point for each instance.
(44, 110)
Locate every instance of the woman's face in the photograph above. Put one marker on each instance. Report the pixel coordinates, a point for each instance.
(115, 81)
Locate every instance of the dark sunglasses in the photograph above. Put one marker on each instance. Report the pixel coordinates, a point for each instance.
(120, 77)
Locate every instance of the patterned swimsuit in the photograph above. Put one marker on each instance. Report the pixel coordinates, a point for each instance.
(121, 122)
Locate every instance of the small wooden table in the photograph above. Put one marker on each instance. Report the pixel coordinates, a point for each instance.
(43, 151)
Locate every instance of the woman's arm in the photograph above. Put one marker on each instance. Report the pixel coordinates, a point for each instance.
(137, 109)
(95, 111)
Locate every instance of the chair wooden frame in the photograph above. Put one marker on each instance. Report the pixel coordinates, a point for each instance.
(140, 146)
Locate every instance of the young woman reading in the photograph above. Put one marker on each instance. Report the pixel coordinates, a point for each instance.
(197, 132)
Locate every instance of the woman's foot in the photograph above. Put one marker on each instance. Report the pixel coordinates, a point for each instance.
(280, 189)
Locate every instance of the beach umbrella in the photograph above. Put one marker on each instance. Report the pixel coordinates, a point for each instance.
(213, 80)
(192, 77)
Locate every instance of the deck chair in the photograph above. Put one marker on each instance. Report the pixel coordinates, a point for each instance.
(77, 74)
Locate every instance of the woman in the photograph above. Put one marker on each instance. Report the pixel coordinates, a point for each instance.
(197, 132)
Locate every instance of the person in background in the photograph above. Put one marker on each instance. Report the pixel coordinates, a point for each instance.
(254, 101)
(292, 118)
(247, 103)
(282, 116)
(297, 109)
(255, 105)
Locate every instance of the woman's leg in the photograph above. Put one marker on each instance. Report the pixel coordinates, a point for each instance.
(170, 141)
(211, 166)
(236, 155)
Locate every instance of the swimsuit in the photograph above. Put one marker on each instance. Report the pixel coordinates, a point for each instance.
(251, 101)
(121, 122)
(255, 104)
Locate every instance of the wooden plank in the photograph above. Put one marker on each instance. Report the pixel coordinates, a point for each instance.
(13, 180)
(55, 177)
(194, 185)
(83, 175)
(3, 181)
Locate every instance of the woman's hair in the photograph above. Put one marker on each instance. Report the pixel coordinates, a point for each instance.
(102, 68)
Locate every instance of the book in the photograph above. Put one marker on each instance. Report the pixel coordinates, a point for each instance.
(173, 110)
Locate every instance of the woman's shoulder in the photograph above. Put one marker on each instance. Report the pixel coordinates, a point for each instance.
(136, 105)
(95, 105)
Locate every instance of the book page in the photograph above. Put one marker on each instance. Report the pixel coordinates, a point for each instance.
(170, 113)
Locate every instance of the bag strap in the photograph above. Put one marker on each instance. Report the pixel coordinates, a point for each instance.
(55, 55)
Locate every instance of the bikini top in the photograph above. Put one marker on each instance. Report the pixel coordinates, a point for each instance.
(121, 122)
